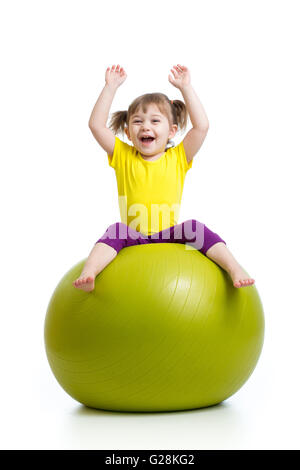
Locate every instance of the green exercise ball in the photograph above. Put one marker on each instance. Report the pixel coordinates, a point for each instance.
(164, 329)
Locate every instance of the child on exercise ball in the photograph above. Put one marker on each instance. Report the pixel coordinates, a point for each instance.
(150, 174)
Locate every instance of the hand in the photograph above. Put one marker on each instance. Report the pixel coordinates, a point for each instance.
(115, 76)
(181, 77)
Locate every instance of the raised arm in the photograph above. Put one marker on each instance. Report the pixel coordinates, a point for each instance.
(195, 137)
(114, 77)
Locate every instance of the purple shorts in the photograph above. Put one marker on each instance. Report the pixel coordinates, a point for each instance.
(190, 232)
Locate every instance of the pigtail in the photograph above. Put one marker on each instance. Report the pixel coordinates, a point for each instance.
(118, 121)
(180, 113)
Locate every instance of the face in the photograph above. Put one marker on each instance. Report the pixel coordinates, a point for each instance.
(153, 124)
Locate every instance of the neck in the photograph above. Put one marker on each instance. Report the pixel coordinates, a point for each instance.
(151, 158)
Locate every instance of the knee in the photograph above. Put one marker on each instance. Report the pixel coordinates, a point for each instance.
(194, 231)
(190, 221)
(193, 222)
(116, 230)
(193, 225)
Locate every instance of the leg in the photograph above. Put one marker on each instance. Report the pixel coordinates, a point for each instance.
(115, 238)
(191, 233)
(100, 256)
(215, 248)
(220, 254)
(194, 233)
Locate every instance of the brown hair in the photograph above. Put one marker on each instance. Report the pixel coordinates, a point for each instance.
(175, 111)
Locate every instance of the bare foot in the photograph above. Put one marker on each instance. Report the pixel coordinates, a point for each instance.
(84, 282)
(240, 278)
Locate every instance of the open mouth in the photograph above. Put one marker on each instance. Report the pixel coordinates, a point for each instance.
(147, 140)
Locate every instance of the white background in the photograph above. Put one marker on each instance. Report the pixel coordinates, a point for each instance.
(58, 195)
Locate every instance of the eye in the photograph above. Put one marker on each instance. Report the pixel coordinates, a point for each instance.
(156, 120)
(135, 122)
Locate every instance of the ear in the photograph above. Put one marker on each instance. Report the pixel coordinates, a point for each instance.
(173, 131)
(127, 132)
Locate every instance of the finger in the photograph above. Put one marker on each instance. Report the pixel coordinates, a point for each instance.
(185, 69)
(174, 73)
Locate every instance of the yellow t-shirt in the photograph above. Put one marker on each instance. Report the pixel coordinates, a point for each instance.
(149, 191)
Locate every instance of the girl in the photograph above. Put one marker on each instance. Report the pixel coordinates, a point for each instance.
(150, 175)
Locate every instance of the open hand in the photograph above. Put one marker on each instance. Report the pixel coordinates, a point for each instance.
(115, 76)
(181, 77)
